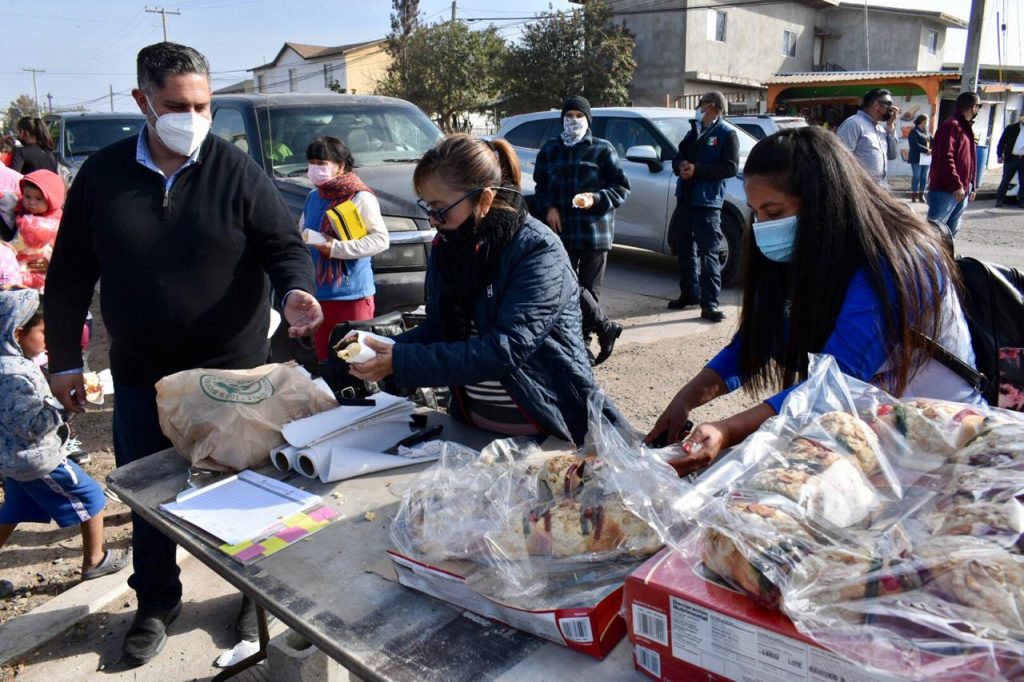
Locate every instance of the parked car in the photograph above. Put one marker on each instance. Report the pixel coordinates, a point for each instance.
(387, 137)
(646, 139)
(761, 126)
(76, 135)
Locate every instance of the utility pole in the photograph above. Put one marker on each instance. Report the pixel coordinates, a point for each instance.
(111, 97)
(969, 80)
(163, 16)
(49, 102)
(867, 40)
(453, 11)
(35, 91)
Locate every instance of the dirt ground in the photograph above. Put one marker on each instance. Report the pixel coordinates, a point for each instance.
(43, 560)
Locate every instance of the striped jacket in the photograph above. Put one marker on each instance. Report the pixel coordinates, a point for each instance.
(562, 172)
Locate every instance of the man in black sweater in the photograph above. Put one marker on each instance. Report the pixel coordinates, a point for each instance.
(182, 229)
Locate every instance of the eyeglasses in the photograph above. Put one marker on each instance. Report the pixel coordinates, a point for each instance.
(438, 216)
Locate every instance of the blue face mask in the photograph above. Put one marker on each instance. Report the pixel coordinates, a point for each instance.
(777, 238)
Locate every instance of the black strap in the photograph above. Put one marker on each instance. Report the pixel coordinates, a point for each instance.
(977, 380)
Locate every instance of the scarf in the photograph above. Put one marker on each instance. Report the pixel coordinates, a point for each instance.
(468, 261)
(337, 190)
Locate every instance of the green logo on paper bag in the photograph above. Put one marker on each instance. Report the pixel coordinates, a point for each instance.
(236, 390)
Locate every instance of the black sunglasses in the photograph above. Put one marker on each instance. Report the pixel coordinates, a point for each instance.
(438, 216)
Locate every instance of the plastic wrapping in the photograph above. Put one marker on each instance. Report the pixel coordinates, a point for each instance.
(537, 519)
(888, 531)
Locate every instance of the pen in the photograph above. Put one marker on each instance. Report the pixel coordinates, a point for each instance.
(421, 435)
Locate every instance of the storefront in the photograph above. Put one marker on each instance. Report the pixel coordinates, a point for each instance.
(829, 98)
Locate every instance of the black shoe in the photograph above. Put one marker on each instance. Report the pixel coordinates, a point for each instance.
(148, 634)
(606, 338)
(247, 626)
(712, 314)
(590, 356)
(999, 202)
(682, 302)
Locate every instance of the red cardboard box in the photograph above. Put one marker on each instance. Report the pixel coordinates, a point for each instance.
(593, 629)
(683, 626)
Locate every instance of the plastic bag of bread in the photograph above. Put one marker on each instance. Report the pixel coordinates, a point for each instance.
(230, 419)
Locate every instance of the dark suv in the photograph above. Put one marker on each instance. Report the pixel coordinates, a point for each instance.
(387, 137)
(79, 134)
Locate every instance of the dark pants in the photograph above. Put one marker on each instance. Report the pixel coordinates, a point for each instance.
(697, 236)
(136, 435)
(1012, 165)
(590, 266)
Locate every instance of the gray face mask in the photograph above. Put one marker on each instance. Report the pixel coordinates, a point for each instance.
(574, 127)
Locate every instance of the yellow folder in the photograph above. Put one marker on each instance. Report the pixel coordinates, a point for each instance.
(346, 221)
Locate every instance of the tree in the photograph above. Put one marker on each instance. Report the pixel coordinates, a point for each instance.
(565, 54)
(23, 106)
(450, 71)
(405, 19)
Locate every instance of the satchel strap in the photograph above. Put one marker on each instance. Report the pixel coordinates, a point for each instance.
(978, 381)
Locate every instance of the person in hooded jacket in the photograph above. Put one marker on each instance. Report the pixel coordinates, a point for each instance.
(37, 219)
(40, 484)
(579, 182)
(503, 325)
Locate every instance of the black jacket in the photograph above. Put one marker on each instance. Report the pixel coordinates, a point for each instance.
(183, 274)
(1008, 139)
(32, 157)
(715, 152)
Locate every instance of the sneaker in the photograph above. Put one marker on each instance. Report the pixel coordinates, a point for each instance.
(712, 314)
(113, 561)
(111, 495)
(147, 634)
(73, 450)
(683, 302)
(606, 338)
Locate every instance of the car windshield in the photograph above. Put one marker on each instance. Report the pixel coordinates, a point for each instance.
(375, 134)
(84, 136)
(676, 128)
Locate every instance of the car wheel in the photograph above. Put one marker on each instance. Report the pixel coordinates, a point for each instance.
(732, 230)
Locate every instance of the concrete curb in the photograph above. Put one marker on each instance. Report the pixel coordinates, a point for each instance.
(24, 634)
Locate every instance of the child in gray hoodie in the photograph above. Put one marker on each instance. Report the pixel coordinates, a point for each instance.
(40, 483)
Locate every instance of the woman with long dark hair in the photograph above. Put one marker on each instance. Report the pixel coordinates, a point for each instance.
(831, 265)
(503, 326)
(36, 150)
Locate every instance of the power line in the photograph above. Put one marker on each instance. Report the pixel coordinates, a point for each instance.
(35, 90)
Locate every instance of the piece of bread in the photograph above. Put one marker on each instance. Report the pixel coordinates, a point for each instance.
(854, 436)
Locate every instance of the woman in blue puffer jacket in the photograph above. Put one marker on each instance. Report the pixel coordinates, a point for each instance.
(503, 326)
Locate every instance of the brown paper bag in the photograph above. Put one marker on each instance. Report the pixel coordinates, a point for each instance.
(230, 419)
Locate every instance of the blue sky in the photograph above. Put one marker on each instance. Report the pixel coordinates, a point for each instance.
(85, 47)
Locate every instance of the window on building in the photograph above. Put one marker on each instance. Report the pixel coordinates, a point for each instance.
(293, 80)
(328, 75)
(789, 43)
(716, 25)
(932, 41)
(261, 82)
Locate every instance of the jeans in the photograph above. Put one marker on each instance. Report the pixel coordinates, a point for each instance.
(137, 434)
(1012, 165)
(918, 177)
(697, 235)
(590, 267)
(944, 207)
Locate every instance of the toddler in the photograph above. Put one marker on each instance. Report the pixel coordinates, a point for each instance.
(40, 484)
(37, 218)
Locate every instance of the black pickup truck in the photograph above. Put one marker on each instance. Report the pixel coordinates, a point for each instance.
(387, 137)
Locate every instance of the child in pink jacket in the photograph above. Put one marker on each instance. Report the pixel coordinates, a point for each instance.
(37, 218)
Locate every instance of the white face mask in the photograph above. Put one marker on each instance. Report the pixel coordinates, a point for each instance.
(181, 133)
(574, 127)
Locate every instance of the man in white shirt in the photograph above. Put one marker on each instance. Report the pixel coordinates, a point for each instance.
(871, 134)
